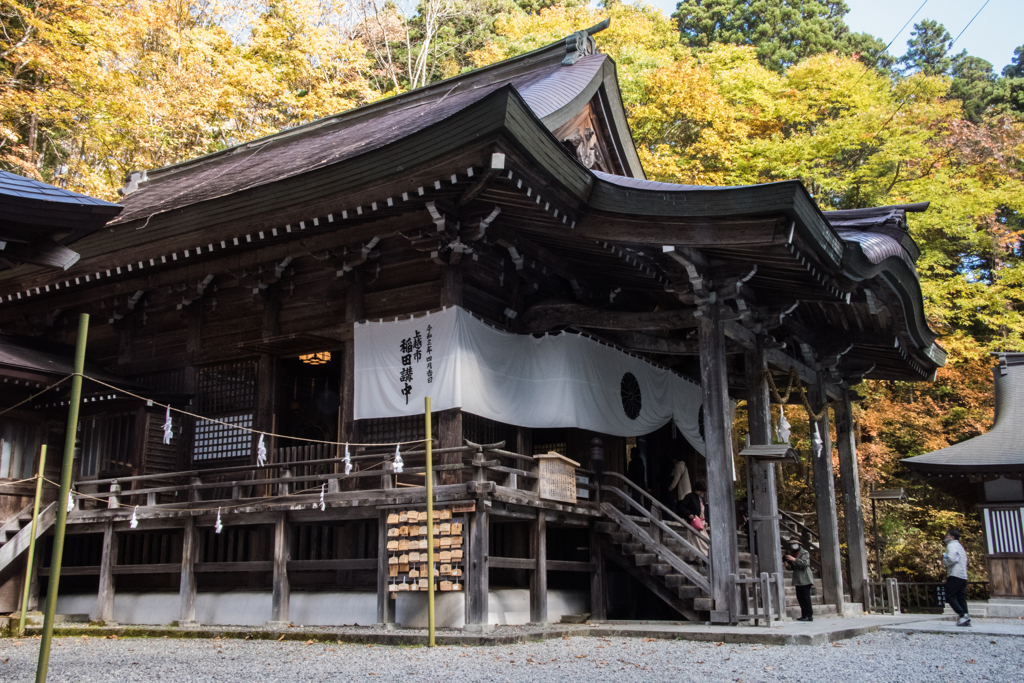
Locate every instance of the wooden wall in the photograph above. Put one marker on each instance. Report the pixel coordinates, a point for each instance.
(1006, 576)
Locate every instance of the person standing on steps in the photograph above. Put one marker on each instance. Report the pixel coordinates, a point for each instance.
(799, 561)
(955, 559)
(680, 485)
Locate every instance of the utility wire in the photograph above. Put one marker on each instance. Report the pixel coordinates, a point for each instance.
(898, 33)
(921, 81)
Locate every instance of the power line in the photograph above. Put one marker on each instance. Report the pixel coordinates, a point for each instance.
(898, 33)
(921, 81)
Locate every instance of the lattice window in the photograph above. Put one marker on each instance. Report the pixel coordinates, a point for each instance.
(107, 443)
(226, 392)
(1004, 530)
(392, 429)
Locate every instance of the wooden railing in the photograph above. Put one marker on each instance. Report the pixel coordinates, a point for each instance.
(756, 595)
(929, 597)
(881, 597)
(299, 469)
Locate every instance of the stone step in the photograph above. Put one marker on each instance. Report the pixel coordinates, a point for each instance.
(791, 601)
(632, 548)
(690, 592)
(818, 610)
(660, 569)
(703, 604)
(645, 559)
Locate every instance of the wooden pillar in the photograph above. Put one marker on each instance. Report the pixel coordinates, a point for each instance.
(853, 513)
(718, 447)
(825, 495)
(762, 499)
(479, 568)
(104, 610)
(193, 316)
(354, 312)
(281, 600)
(598, 609)
(189, 556)
(449, 427)
(385, 605)
(539, 577)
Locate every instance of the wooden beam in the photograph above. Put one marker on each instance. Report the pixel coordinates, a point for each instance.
(282, 592)
(648, 343)
(762, 496)
(385, 605)
(235, 259)
(104, 610)
(509, 238)
(692, 232)
(449, 427)
(825, 499)
(187, 590)
(849, 480)
(539, 575)
(479, 568)
(598, 611)
(545, 316)
(719, 457)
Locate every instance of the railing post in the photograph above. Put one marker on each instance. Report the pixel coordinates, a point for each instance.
(766, 598)
(479, 473)
(236, 490)
(894, 596)
(113, 502)
(333, 486)
(150, 499)
(193, 493)
(387, 480)
(780, 594)
(655, 529)
(597, 465)
(284, 488)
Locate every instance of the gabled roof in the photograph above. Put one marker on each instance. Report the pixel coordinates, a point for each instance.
(37, 220)
(1001, 449)
(555, 81)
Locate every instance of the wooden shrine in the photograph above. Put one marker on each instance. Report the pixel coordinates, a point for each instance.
(229, 286)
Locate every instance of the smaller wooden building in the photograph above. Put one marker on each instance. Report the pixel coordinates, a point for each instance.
(989, 470)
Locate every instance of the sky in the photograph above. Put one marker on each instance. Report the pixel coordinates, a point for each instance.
(993, 35)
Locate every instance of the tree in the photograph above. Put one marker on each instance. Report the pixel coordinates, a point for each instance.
(1013, 83)
(975, 84)
(870, 50)
(781, 31)
(927, 48)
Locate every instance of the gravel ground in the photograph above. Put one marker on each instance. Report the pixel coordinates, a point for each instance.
(882, 657)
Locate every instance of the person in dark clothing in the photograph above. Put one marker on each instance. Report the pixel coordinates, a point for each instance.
(693, 509)
(637, 473)
(799, 561)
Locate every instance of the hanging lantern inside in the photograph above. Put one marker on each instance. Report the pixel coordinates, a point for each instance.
(320, 358)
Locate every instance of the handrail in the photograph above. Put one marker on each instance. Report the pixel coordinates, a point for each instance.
(698, 579)
(664, 527)
(789, 516)
(658, 503)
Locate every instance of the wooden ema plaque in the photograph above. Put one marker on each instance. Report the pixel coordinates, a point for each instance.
(557, 477)
(407, 546)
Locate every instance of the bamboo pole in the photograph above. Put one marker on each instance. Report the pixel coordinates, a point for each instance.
(32, 540)
(62, 497)
(430, 527)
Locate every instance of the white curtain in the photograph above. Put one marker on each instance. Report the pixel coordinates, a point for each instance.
(557, 380)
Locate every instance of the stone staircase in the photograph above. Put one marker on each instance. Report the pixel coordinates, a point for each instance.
(16, 532)
(658, 561)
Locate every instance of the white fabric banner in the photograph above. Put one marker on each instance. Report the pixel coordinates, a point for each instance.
(558, 380)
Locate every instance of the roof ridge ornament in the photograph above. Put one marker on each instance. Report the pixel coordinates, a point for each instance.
(581, 44)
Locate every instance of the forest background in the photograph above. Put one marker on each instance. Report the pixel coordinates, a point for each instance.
(723, 92)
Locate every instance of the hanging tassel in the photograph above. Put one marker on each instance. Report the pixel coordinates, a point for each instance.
(348, 462)
(782, 431)
(135, 519)
(261, 453)
(323, 505)
(399, 464)
(167, 427)
(218, 527)
(816, 441)
(71, 503)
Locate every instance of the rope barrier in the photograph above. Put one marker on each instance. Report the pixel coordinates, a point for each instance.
(39, 393)
(240, 427)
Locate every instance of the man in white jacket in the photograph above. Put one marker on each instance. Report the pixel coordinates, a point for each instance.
(955, 559)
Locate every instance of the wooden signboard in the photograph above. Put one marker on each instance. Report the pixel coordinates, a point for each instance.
(557, 477)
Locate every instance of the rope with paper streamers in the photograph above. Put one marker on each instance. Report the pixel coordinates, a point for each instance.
(239, 427)
(794, 384)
